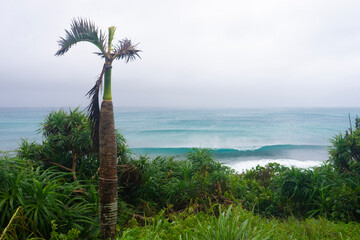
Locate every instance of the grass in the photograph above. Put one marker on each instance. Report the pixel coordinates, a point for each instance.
(238, 223)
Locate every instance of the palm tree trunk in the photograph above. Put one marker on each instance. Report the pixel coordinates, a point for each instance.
(108, 177)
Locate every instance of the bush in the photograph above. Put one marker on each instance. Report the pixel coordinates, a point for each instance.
(67, 145)
(43, 196)
(345, 150)
(164, 181)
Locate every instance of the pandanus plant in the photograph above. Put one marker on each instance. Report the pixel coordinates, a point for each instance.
(102, 121)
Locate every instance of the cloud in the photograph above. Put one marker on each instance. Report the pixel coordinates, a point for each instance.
(195, 53)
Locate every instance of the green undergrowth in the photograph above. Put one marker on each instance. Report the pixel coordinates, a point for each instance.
(147, 186)
(31, 198)
(238, 223)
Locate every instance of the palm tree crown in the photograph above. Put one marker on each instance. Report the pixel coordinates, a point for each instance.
(82, 30)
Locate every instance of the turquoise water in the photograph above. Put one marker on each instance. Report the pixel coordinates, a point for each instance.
(240, 138)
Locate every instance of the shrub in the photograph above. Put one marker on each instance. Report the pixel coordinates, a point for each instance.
(345, 150)
(43, 196)
(67, 144)
(164, 181)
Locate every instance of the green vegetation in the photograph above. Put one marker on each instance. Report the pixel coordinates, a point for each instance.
(67, 144)
(44, 195)
(345, 150)
(36, 197)
(237, 223)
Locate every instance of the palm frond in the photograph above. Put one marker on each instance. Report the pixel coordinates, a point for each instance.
(125, 50)
(100, 54)
(93, 110)
(81, 30)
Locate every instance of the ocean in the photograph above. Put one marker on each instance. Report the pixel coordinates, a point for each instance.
(239, 138)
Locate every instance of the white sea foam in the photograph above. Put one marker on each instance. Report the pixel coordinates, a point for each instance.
(245, 165)
(249, 148)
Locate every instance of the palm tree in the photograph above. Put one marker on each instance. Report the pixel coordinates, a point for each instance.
(102, 122)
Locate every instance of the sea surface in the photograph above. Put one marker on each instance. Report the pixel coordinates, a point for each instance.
(240, 138)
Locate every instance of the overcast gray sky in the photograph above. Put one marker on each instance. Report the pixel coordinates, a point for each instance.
(228, 53)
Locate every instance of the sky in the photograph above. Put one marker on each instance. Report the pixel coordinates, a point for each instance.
(195, 53)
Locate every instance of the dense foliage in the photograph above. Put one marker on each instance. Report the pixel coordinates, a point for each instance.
(67, 145)
(237, 223)
(166, 198)
(39, 197)
(273, 190)
(345, 150)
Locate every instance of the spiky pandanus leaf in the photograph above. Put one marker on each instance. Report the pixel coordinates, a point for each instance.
(81, 30)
